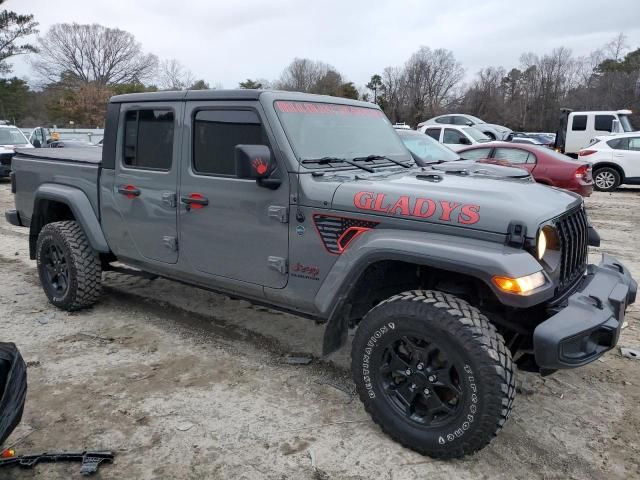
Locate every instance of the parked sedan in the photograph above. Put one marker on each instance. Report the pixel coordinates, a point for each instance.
(546, 165)
(455, 137)
(491, 130)
(427, 151)
(615, 160)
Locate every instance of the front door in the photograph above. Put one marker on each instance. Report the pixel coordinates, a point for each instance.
(231, 227)
(146, 181)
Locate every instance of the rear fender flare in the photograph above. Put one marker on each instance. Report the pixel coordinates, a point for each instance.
(79, 204)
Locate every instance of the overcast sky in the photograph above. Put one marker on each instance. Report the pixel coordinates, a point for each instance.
(228, 41)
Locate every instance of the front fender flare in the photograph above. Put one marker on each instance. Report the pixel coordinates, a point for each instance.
(476, 258)
(79, 204)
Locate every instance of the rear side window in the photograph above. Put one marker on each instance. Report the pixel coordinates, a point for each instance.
(579, 123)
(148, 139)
(603, 123)
(445, 119)
(618, 143)
(514, 155)
(433, 133)
(476, 154)
(216, 134)
(634, 143)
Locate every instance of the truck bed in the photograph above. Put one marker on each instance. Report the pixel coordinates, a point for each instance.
(72, 167)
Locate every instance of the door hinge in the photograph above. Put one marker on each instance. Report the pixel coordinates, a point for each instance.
(170, 242)
(279, 213)
(278, 264)
(170, 199)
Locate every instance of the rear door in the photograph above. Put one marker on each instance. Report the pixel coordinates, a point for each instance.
(517, 157)
(241, 232)
(631, 160)
(145, 185)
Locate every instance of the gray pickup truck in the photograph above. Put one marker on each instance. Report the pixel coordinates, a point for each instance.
(312, 205)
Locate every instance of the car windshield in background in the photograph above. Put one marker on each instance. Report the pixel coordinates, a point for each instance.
(319, 130)
(476, 134)
(475, 119)
(625, 123)
(12, 136)
(426, 148)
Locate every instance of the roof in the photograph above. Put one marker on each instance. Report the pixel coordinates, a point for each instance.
(602, 112)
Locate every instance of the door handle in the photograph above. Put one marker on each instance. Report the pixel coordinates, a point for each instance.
(131, 191)
(195, 201)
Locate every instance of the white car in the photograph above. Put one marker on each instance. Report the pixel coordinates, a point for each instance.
(454, 136)
(615, 160)
(12, 137)
(491, 130)
(578, 128)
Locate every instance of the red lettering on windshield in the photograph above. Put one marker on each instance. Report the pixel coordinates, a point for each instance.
(326, 109)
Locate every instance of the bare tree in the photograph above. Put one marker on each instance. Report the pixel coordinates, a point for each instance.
(302, 75)
(173, 76)
(93, 53)
(13, 28)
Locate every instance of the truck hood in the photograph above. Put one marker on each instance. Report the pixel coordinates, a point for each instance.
(474, 167)
(458, 197)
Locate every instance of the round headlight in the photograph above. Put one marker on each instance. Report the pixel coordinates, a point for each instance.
(541, 244)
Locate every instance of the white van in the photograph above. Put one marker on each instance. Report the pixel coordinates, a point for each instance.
(577, 129)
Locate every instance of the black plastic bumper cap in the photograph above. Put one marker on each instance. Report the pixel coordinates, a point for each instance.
(13, 217)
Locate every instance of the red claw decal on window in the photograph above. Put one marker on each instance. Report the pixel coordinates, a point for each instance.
(418, 207)
(259, 165)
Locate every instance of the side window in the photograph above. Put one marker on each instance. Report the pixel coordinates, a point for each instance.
(579, 123)
(452, 136)
(216, 134)
(618, 143)
(513, 155)
(458, 120)
(433, 133)
(445, 119)
(603, 123)
(476, 154)
(148, 139)
(634, 143)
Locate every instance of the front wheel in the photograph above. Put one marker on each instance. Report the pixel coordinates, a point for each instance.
(433, 373)
(69, 269)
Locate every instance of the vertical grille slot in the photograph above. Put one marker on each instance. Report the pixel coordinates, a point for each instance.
(572, 230)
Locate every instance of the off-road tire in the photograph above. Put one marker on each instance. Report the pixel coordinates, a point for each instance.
(603, 185)
(83, 264)
(487, 383)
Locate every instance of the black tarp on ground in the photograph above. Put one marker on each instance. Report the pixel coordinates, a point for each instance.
(13, 388)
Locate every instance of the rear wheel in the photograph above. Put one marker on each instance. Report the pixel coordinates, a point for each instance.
(69, 269)
(606, 179)
(433, 373)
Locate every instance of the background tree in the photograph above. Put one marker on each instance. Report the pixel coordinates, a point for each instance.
(250, 84)
(172, 75)
(14, 99)
(13, 30)
(92, 53)
(374, 84)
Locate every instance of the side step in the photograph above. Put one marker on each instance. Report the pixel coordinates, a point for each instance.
(130, 271)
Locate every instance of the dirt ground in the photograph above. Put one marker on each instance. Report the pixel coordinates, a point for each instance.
(183, 384)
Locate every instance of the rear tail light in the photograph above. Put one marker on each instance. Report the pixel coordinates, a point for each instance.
(584, 153)
(583, 171)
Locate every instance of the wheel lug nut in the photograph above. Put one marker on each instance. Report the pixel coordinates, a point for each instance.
(432, 378)
(408, 371)
(413, 386)
(420, 366)
(426, 391)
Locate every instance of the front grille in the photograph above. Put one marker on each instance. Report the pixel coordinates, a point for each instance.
(573, 232)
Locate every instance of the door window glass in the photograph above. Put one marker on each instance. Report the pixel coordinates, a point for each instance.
(513, 155)
(618, 143)
(148, 139)
(433, 133)
(634, 143)
(216, 134)
(445, 119)
(452, 136)
(579, 123)
(476, 154)
(603, 123)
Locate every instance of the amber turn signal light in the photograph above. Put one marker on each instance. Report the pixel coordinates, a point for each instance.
(521, 285)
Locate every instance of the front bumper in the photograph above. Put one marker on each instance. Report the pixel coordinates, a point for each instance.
(13, 217)
(589, 324)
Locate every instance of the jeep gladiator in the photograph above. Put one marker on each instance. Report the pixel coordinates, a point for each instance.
(312, 205)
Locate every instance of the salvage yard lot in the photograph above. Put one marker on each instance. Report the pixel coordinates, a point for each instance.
(184, 383)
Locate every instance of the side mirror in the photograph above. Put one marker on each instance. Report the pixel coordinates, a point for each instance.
(36, 143)
(468, 123)
(465, 141)
(255, 162)
(616, 126)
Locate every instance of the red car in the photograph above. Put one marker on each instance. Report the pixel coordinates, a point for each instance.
(546, 165)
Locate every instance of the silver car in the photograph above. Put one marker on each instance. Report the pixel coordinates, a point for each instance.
(494, 132)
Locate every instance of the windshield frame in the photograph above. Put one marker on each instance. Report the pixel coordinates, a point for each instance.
(404, 156)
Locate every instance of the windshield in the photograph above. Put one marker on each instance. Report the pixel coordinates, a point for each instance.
(318, 130)
(426, 149)
(475, 119)
(625, 123)
(476, 134)
(12, 136)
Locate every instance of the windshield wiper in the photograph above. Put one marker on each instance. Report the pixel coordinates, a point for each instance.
(370, 158)
(328, 160)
